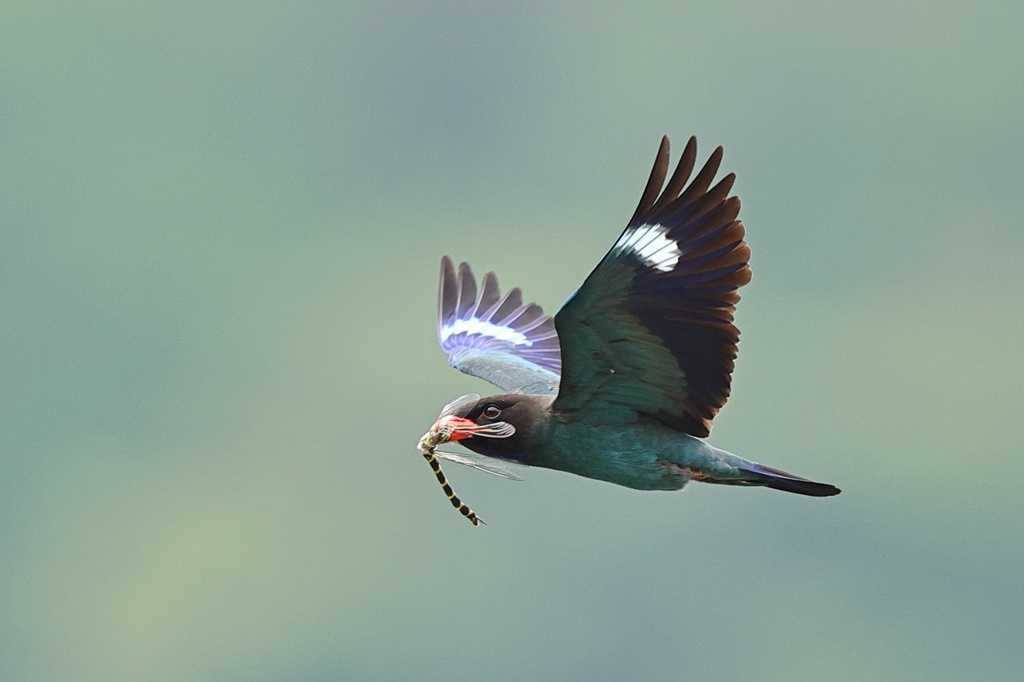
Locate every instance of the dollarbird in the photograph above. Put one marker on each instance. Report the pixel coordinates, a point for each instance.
(623, 383)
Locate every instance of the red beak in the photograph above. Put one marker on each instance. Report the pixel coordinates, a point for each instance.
(460, 428)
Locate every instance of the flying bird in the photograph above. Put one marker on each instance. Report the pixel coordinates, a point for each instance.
(623, 383)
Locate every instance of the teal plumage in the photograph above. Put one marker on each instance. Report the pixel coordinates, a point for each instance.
(644, 454)
(623, 383)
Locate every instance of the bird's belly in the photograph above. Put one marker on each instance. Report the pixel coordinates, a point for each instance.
(635, 457)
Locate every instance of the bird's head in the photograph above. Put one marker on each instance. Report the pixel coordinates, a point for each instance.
(491, 426)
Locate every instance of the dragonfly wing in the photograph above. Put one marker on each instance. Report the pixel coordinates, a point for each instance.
(479, 465)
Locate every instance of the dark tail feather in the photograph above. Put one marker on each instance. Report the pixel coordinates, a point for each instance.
(780, 480)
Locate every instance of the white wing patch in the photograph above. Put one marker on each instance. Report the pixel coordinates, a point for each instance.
(483, 328)
(650, 243)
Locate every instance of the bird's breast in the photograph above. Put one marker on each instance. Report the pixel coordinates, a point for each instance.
(642, 456)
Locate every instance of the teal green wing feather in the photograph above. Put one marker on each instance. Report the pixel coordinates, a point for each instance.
(650, 332)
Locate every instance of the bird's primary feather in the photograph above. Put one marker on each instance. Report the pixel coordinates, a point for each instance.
(496, 338)
(650, 332)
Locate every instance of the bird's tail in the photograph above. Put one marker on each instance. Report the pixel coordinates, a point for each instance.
(759, 474)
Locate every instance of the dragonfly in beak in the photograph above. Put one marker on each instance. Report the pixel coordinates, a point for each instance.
(451, 427)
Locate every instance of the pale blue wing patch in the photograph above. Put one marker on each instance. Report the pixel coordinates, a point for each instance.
(483, 328)
(650, 244)
(496, 338)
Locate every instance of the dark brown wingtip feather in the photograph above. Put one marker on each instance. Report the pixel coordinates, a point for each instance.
(467, 289)
(448, 290)
(703, 180)
(490, 292)
(512, 300)
(679, 177)
(714, 265)
(654, 182)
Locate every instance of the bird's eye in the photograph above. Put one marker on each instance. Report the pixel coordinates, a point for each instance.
(492, 411)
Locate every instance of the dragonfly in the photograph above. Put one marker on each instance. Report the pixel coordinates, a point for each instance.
(438, 435)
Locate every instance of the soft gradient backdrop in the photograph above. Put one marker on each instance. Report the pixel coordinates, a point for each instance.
(220, 227)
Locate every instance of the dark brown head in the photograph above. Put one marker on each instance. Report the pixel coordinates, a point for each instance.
(502, 426)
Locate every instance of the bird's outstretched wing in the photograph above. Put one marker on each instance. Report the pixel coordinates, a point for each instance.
(651, 330)
(496, 338)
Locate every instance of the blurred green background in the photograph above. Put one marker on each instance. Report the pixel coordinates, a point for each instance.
(220, 227)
